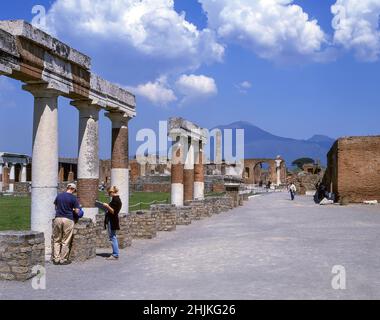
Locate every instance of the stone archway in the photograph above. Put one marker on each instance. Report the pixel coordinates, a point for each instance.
(254, 173)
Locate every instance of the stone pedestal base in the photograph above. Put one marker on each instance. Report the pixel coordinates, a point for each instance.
(144, 224)
(166, 217)
(20, 251)
(83, 245)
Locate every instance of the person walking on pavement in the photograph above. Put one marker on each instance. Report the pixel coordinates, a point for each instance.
(292, 190)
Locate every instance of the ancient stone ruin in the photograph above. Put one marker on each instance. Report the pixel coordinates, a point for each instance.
(353, 170)
(48, 68)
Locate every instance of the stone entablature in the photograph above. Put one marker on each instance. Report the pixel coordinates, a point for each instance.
(33, 56)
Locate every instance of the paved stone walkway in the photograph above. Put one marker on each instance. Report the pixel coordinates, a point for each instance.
(271, 248)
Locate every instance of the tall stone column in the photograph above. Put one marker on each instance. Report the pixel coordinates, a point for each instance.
(88, 156)
(177, 172)
(278, 171)
(199, 184)
(12, 177)
(119, 158)
(218, 151)
(44, 160)
(23, 173)
(188, 173)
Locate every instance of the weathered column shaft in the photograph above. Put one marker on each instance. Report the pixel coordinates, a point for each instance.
(11, 177)
(177, 172)
(218, 151)
(23, 173)
(44, 160)
(199, 185)
(119, 157)
(88, 157)
(188, 173)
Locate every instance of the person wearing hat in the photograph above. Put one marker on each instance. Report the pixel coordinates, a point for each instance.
(66, 209)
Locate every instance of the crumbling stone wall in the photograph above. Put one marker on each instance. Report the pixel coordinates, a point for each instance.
(144, 224)
(155, 183)
(20, 251)
(184, 215)
(83, 245)
(124, 235)
(353, 170)
(166, 216)
(22, 187)
(305, 181)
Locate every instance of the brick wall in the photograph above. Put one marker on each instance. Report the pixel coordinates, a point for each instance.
(354, 169)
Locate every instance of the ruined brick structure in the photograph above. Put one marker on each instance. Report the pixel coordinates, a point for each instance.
(253, 173)
(353, 171)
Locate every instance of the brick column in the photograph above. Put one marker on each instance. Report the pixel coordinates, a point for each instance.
(199, 182)
(188, 173)
(88, 157)
(5, 177)
(61, 174)
(177, 171)
(11, 177)
(44, 159)
(119, 158)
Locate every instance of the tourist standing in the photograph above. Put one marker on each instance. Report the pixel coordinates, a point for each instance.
(111, 222)
(292, 190)
(66, 206)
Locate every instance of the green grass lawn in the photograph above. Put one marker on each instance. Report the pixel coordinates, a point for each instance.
(15, 211)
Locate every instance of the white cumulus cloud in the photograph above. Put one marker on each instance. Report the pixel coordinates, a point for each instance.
(157, 92)
(356, 25)
(196, 86)
(273, 29)
(150, 27)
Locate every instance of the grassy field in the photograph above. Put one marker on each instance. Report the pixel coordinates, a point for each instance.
(15, 211)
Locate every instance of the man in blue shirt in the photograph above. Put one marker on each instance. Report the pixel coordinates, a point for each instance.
(66, 205)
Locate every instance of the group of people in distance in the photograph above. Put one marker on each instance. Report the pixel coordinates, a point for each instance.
(69, 211)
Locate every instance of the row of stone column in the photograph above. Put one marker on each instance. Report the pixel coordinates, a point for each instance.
(45, 157)
(8, 177)
(187, 172)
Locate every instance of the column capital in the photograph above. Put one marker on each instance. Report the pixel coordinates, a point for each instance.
(119, 119)
(87, 108)
(41, 90)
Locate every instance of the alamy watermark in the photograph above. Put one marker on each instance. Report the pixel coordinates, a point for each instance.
(39, 280)
(338, 281)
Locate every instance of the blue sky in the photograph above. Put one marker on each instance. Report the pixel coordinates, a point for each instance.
(324, 81)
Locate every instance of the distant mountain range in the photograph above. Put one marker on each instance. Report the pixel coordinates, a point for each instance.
(262, 144)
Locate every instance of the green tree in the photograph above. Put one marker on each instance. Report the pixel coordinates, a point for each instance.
(301, 161)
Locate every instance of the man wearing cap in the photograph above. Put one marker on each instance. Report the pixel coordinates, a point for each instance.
(66, 205)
